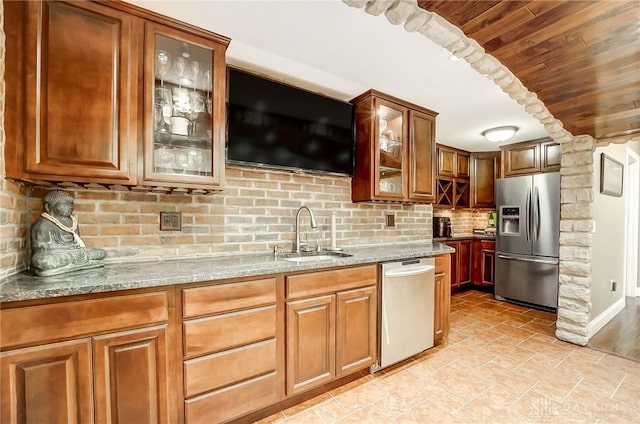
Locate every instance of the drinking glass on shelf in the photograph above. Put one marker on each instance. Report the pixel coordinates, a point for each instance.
(181, 160)
(181, 67)
(194, 67)
(196, 106)
(163, 64)
(197, 158)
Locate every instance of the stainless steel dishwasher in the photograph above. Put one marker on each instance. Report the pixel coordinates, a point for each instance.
(407, 302)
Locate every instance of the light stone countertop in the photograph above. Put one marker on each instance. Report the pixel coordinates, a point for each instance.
(114, 277)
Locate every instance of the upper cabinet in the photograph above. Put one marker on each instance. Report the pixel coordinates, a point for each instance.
(452, 182)
(531, 157)
(184, 102)
(72, 86)
(395, 150)
(485, 169)
(87, 94)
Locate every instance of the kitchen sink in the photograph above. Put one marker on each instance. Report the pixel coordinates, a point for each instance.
(314, 256)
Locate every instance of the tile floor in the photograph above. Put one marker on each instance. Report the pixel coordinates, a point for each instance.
(500, 364)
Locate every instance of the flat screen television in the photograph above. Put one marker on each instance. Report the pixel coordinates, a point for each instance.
(276, 125)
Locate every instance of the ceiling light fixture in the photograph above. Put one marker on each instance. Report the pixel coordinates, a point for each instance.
(499, 134)
(455, 58)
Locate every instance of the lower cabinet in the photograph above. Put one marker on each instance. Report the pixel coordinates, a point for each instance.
(461, 264)
(47, 384)
(442, 304)
(230, 349)
(311, 343)
(331, 325)
(123, 375)
(484, 260)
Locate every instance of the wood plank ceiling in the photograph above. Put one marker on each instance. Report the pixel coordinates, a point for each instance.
(582, 58)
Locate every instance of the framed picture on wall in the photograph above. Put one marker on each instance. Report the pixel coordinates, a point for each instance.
(611, 176)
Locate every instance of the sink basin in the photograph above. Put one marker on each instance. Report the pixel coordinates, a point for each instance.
(309, 258)
(322, 256)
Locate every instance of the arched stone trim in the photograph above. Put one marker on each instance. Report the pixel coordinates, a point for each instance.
(577, 185)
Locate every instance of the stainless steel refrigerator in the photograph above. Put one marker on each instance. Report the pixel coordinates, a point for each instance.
(527, 240)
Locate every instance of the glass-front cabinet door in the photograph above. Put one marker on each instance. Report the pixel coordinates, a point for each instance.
(391, 148)
(185, 82)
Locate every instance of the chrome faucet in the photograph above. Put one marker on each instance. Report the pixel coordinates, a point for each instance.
(314, 225)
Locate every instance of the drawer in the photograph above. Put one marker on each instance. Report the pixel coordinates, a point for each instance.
(229, 367)
(488, 244)
(232, 402)
(221, 332)
(442, 264)
(44, 323)
(228, 297)
(323, 282)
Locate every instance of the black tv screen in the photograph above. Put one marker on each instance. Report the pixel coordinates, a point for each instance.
(277, 125)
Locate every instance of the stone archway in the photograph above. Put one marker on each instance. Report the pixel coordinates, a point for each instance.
(576, 220)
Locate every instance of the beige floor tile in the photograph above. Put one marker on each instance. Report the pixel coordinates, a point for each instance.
(485, 410)
(366, 415)
(546, 347)
(618, 363)
(508, 355)
(296, 409)
(459, 384)
(515, 316)
(447, 401)
(605, 409)
(426, 412)
(307, 417)
(501, 396)
(391, 406)
(628, 394)
(360, 396)
(539, 408)
(273, 419)
(407, 387)
(480, 333)
(331, 411)
(515, 331)
(597, 378)
(514, 382)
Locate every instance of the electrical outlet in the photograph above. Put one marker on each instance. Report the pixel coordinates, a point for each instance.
(390, 220)
(170, 221)
(614, 285)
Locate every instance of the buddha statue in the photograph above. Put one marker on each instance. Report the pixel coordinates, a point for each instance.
(55, 239)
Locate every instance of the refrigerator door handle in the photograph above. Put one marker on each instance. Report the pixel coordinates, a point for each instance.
(539, 261)
(536, 215)
(527, 213)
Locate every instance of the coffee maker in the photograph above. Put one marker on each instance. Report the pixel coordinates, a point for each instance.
(441, 227)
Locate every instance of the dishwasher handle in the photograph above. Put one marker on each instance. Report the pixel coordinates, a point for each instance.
(408, 270)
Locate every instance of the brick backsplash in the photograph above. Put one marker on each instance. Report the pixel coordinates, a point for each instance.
(255, 212)
(464, 221)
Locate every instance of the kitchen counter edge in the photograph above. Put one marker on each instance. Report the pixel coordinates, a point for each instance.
(137, 275)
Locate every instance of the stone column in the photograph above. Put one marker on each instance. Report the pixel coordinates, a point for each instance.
(576, 227)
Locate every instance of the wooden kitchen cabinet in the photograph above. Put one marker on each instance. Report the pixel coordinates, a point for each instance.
(47, 384)
(311, 343)
(484, 260)
(232, 349)
(395, 150)
(130, 376)
(485, 170)
(442, 305)
(530, 157)
(453, 189)
(331, 325)
(62, 360)
(461, 262)
(184, 109)
(84, 97)
(355, 329)
(72, 92)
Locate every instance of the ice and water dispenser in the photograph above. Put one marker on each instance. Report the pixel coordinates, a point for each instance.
(509, 220)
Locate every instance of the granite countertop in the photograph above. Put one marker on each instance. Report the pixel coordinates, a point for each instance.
(114, 277)
(465, 236)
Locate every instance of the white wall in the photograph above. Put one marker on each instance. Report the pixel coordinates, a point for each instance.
(607, 260)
